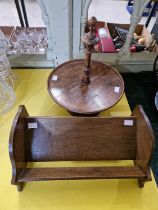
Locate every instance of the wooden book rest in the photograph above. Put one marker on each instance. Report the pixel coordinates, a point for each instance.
(41, 139)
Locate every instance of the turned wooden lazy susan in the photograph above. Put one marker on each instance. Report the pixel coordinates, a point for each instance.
(86, 87)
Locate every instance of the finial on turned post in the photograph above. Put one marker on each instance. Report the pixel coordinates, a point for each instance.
(89, 40)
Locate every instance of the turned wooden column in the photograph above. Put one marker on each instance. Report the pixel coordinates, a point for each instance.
(89, 40)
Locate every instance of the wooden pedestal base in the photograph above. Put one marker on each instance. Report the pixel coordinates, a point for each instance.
(83, 115)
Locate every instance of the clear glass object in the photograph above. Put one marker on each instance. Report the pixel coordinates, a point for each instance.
(28, 41)
(5, 69)
(4, 42)
(7, 95)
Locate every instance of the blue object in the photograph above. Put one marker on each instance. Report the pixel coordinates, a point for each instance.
(129, 8)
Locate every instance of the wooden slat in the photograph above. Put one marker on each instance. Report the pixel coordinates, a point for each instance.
(80, 138)
(16, 143)
(73, 173)
(145, 141)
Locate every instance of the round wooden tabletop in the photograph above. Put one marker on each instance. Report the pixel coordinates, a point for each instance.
(105, 90)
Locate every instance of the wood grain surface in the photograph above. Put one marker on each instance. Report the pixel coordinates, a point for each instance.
(65, 87)
(72, 173)
(145, 142)
(84, 138)
(17, 145)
